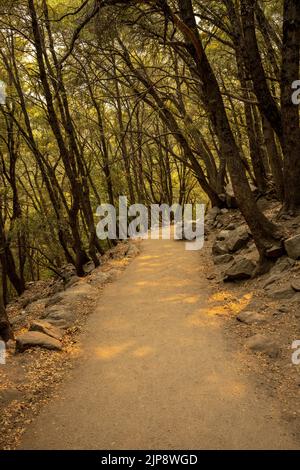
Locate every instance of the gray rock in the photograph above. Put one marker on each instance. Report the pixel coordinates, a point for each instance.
(292, 246)
(132, 251)
(283, 264)
(296, 285)
(270, 280)
(212, 214)
(219, 248)
(60, 317)
(237, 240)
(73, 280)
(67, 272)
(283, 309)
(33, 339)
(250, 318)
(19, 319)
(223, 235)
(56, 299)
(263, 344)
(89, 267)
(275, 251)
(283, 292)
(223, 259)
(241, 269)
(45, 327)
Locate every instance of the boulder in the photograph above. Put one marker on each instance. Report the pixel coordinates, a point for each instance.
(250, 318)
(292, 246)
(241, 269)
(45, 327)
(223, 259)
(263, 344)
(33, 339)
(237, 240)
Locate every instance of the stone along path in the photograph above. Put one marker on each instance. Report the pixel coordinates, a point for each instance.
(156, 371)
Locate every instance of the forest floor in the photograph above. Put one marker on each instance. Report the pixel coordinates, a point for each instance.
(161, 363)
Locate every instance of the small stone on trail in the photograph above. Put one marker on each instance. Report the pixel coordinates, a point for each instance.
(250, 318)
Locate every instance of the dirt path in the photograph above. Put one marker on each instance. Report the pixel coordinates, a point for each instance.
(156, 371)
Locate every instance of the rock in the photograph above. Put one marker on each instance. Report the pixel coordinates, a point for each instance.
(89, 267)
(33, 339)
(270, 280)
(222, 259)
(296, 222)
(237, 240)
(101, 277)
(250, 318)
(224, 211)
(211, 277)
(231, 227)
(212, 215)
(283, 264)
(73, 280)
(60, 317)
(132, 251)
(283, 309)
(19, 319)
(223, 235)
(219, 248)
(296, 285)
(275, 251)
(67, 272)
(56, 299)
(283, 292)
(263, 344)
(57, 288)
(241, 269)
(44, 327)
(292, 246)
